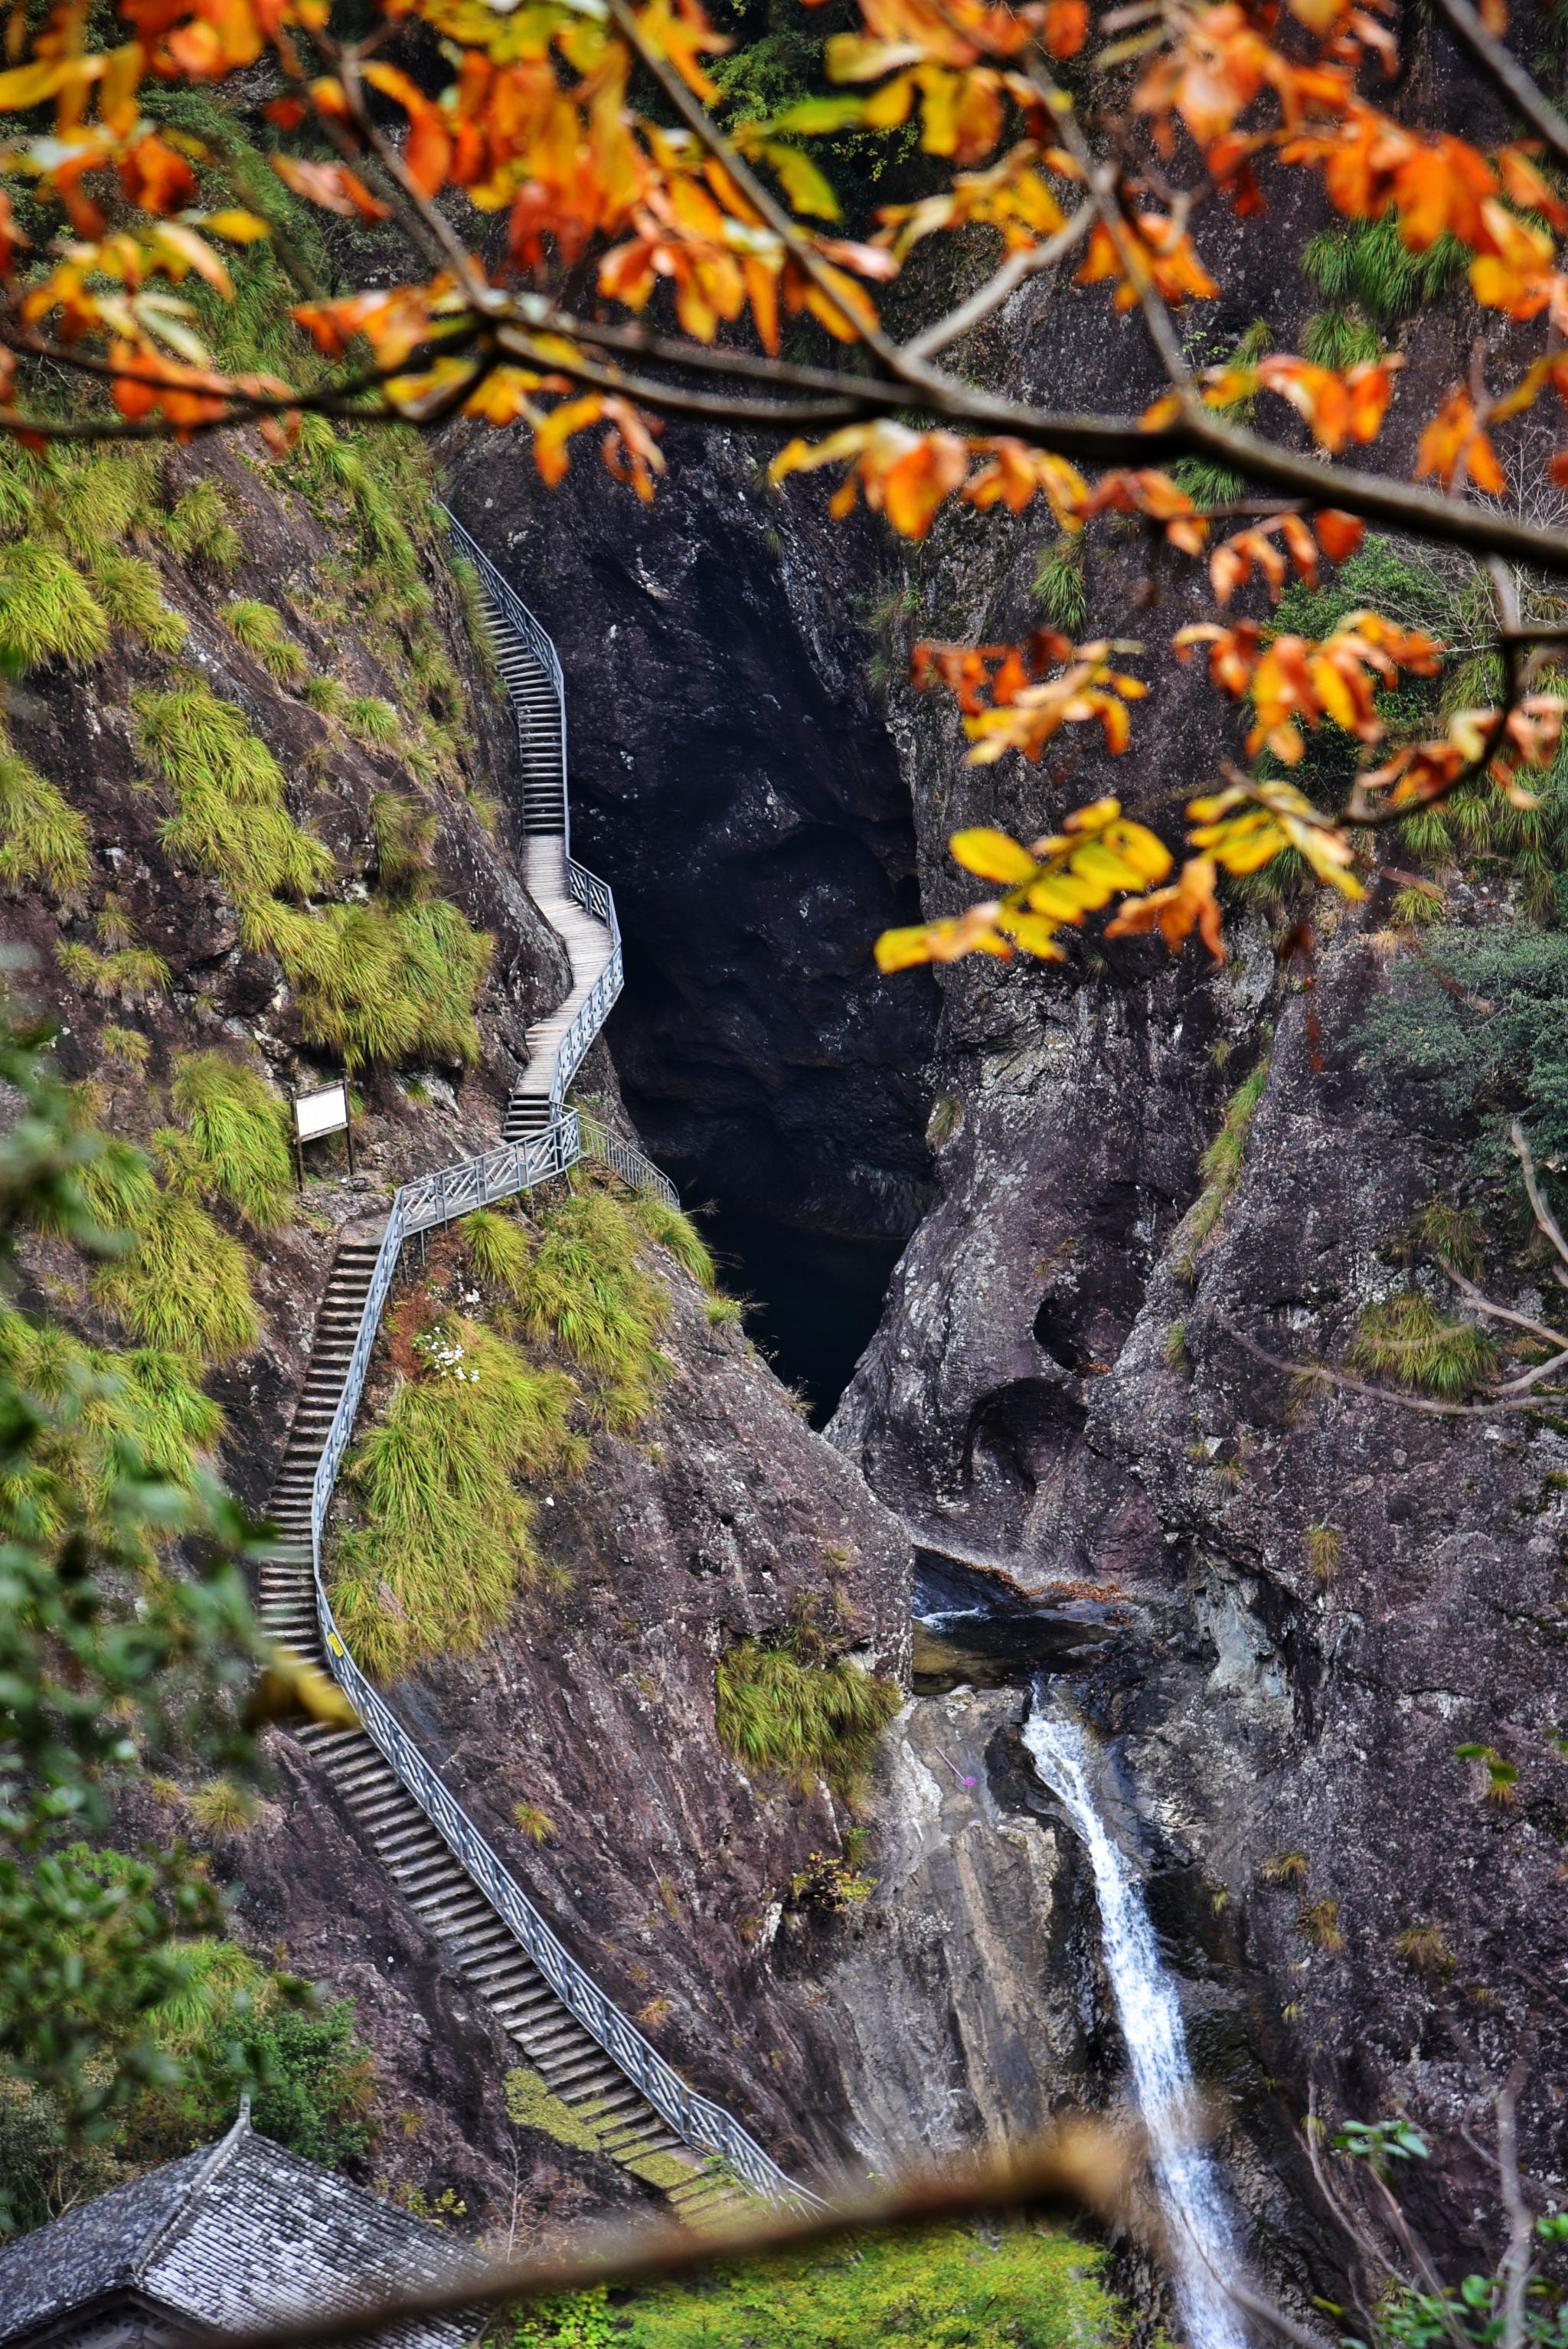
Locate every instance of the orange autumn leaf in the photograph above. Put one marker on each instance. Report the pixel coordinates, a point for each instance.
(1454, 445)
(1188, 903)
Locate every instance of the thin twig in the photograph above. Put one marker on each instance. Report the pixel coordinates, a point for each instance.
(1515, 2270)
(1509, 75)
(1322, 1374)
(1031, 262)
(1546, 1221)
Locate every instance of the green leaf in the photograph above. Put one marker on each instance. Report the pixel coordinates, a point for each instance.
(815, 117)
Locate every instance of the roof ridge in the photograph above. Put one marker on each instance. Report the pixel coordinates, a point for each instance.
(217, 2157)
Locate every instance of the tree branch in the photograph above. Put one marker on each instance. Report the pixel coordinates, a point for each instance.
(1322, 1374)
(1546, 1221)
(1028, 262)
(1510, 76)
(1515, 2270)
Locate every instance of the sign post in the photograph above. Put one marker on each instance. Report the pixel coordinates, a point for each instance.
(317, 1114)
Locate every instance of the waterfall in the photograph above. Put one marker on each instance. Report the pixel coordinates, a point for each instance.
(1197, 2222)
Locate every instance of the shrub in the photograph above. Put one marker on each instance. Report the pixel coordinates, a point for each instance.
(42, 837)
(127, 978)
(240, 1130)
(233, 818)
(584, 1289)
(1022, 2287)
(259, 628)
(199, 524)
(775, 1713)
(1406, 1339)
(674, 1230)
(47, 611)
(131, 593)
(185, 1286)
(318, 2089)
(1477, 1020)
(445, 1538)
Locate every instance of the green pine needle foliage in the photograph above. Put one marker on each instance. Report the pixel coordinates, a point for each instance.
(444, 1540)
(674, 1230)
(1023, 2287)
(1476, 1023)
(585, 1290)
(233, 819)
(1058, 584)
(1368, 262)
(42, 840)
(1339, 339)
(47, 611)
(185, 1285)
(259, 628)
(240, 1130)
(775, 1713)
(131, 593)
(1405, 1338)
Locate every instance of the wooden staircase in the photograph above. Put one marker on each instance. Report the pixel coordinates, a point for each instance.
(479, 1943)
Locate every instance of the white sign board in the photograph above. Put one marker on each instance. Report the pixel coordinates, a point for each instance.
(323, 1113)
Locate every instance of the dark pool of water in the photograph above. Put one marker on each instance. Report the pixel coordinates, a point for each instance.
(974, 1627)
(813, 1303)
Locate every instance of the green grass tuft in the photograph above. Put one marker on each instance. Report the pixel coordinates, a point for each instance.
(131, 593)
(1339, 339)
(96, 497)
(775, 1713)
(127, 1044)
(671, 1228)
(185, 1285)
(132, 975)
(42, 840)
(47, 611)
(1368, 262)
(325, 694)
(259, 628)
(446, 1540)
(370, 717)
(380, 983)
(198, 525)
(1221, 1163)
(405, 837)
(233, 818)
(498, 1248)
(240, 1130)
(584, 1289)
(1407, 1340)
(1057, 586)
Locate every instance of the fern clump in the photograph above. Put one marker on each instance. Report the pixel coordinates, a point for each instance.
(584, 1289)
(240, 1130)
(1407, 1340)
(42, 840)
(185, 1285)
(445, 1538)
(131, 593)
(259, 628)
(47, 611)
(674, 1230)
(775, 1713)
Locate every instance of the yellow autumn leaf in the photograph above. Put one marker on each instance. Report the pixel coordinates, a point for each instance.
(993, 855)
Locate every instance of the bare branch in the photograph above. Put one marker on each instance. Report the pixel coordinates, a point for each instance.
(1546, 1221)
(1515, 2270)
(1078, 2169)
(1509, 75)
(1323, 1374)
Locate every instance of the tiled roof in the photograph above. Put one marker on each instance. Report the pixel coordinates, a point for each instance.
(241, 2232)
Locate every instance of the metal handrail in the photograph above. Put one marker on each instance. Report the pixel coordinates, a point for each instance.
(521, 622)
(427, 1202)
(417, 1207)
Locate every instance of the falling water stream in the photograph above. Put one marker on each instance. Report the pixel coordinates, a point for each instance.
(1201, 2240)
